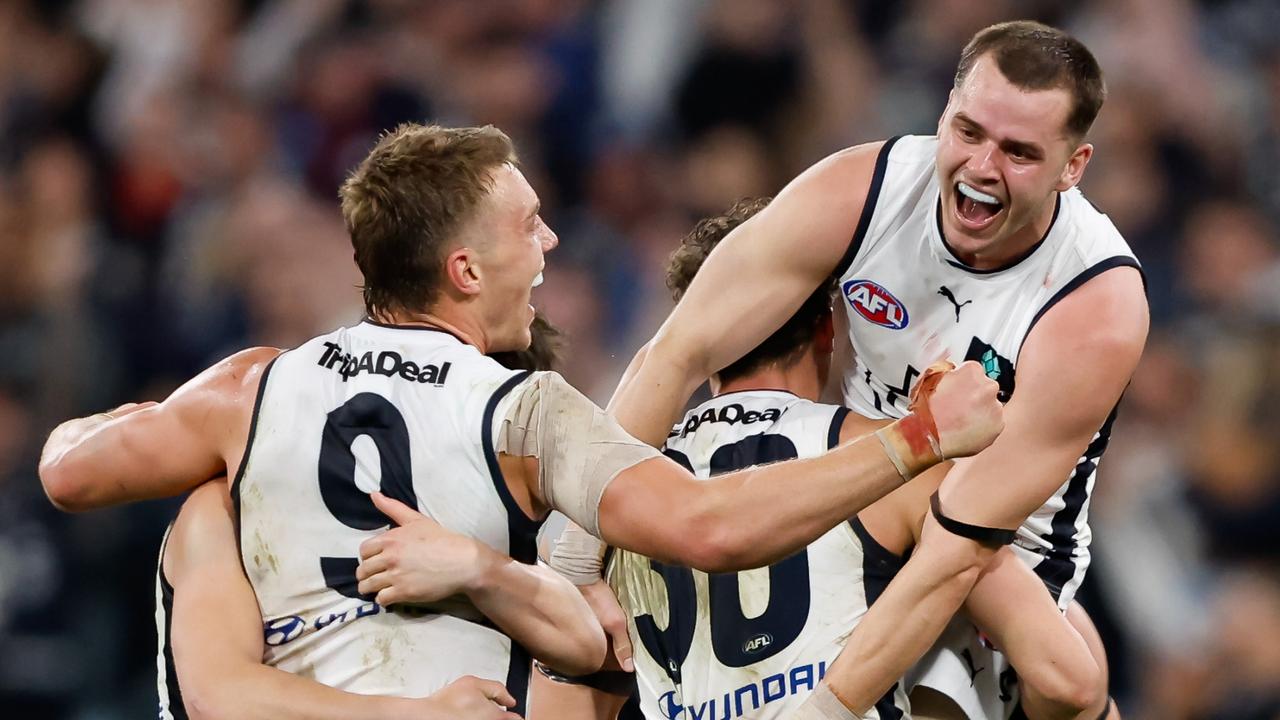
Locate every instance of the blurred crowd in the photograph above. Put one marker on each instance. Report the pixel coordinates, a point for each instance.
(168, 179)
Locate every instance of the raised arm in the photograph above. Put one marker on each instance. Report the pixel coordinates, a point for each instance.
(419, 561)
(219, 665)
(1073, 368)
(152, 450)
(757, 516)
(755, 279)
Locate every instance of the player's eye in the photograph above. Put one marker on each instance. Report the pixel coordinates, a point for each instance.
(967, 133)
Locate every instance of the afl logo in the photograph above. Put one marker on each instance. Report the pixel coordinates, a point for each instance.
(281, 630)
(757, 643)
(875, 304)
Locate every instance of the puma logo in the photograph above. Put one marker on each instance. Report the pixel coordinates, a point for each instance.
(968, 660)
(945, 292)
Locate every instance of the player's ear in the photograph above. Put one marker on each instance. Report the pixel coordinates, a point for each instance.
(1074, 169)
(462, 271)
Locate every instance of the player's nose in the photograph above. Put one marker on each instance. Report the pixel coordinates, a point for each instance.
(548, 239)
(982, 163)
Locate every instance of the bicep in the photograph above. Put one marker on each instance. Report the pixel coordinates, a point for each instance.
(172, 447)
(1072, 371)
(644, 504)
(761, 272)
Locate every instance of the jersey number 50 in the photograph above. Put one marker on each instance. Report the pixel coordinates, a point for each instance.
(737, 640)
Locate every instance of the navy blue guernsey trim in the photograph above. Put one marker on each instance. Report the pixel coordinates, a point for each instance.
(420, 328)
(522, 533)
(879, 566)
(868, 207)
(177, 710)
(522, 529)
(1085, 276)
(1059, 566)
(837, 423)
(248, 446)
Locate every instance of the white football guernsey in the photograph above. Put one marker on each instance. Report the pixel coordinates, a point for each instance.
(911, 302)
(408, 410)
(752, 644)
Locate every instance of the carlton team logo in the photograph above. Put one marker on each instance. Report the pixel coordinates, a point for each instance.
(875, 304)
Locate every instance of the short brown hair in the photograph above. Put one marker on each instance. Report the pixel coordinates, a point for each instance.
(405, 202)
(787, 341)
(1033, 56)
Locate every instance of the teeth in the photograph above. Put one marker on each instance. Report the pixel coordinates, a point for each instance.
(538, 280)
(977, 196)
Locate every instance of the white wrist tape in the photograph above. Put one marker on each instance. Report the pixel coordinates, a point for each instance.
(892, 453)
(578, 555)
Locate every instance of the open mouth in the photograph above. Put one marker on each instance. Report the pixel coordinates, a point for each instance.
(976, 210)
(537, 281)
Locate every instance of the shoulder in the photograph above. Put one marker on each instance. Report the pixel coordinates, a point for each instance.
(1077, 361)
(205, 525)
(240, 373)
(1107, 312)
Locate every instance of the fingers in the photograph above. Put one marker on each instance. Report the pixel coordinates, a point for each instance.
(372, 566)
(371, 547)
(622, 648)
(399, 513)
(387, 596)
(928, 382)
(375, 583)
(497, 692)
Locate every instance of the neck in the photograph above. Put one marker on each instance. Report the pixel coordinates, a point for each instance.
(467, 332)
(799, 378)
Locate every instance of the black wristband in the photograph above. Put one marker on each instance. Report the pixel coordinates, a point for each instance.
(985, 535)
(614, 682)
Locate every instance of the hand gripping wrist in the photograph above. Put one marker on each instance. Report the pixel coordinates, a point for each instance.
(578, 555)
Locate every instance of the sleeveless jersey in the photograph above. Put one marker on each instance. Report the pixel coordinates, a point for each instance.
(170, 695)
(911, 302)
(751, 644)
(408, 410)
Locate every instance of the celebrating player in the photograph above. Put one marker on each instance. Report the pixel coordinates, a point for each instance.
(447, 235)
(974, 244)
(754, 644)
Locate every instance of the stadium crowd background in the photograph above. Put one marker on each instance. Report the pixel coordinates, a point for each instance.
(168, 175)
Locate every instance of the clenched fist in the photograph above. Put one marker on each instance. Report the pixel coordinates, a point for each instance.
(966, 413)
(954, 413)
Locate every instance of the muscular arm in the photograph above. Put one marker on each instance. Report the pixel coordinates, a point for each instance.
(1072, 370)
(219, 663)
(1011, 605)
(783, 253)
(156, 450)
(420, 561)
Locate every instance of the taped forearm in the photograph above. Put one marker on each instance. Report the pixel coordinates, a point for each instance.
(580, 449)
(578, 555)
